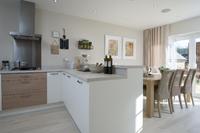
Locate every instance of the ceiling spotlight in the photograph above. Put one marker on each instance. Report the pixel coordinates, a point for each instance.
(55, 1)
(166, 10)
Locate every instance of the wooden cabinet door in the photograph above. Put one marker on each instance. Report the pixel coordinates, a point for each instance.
(21, 90)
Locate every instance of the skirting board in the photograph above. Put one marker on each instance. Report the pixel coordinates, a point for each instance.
(30, 109)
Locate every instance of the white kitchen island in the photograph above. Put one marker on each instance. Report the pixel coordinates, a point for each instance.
(101, 103)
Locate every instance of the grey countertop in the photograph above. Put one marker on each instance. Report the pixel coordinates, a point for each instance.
(30, 71)
(85, 76)
(89, 77)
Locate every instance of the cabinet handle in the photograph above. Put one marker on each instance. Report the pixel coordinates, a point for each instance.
(78, 81)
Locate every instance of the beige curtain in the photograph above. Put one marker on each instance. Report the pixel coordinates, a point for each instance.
(155, 42)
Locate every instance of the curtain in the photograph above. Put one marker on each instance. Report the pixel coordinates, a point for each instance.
(155, 44)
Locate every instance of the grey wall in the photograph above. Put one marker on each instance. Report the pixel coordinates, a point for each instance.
(9, 18)
(78, 28)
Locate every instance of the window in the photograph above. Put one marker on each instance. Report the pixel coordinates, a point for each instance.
(179, 54)
(184, 51)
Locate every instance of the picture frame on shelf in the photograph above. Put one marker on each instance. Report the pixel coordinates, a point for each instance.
(129, 48)
(113, 46)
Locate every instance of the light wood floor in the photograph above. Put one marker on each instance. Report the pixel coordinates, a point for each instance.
(58, 120)
(181, 121)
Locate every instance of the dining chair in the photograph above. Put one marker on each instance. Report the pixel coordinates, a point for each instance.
(163, 90)
(176, 86)
(187, 87)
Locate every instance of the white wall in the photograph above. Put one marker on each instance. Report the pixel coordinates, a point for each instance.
(9, 18)
(187, 26)
(78, 28)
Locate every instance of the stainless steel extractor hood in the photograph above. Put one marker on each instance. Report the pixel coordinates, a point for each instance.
(26, 22)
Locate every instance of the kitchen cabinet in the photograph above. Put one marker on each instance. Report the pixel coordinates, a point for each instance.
(76, 99)
(54, 87)
(66, 85)
(105, 106)
(22, 90)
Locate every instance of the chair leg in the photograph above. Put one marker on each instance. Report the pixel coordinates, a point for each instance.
(159, 108)
(179, 97)
(170, 105)
(185, 99)
(192, 99)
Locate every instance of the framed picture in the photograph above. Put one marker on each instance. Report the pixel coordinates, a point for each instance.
(113, 46)
(55, 34)
(129, 48)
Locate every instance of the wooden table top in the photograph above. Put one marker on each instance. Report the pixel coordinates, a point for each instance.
(153, 77)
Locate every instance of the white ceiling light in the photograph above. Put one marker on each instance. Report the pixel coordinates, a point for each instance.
(166, 10)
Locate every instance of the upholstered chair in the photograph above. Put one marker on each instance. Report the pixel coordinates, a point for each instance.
(186, 89)
(176, 86)
(163, 90)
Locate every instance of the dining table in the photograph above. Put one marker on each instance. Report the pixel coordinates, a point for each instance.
(150, 82)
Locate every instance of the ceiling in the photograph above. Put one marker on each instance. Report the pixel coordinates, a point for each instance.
(139, 14)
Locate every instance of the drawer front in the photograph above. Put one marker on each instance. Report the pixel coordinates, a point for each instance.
(23, 76)
(11, 86)
(21, 90)
(23, 100)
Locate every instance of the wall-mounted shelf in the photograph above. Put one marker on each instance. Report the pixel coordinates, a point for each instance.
(85, 45)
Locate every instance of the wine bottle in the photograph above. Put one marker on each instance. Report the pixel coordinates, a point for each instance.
(106, 65)
(110, 65)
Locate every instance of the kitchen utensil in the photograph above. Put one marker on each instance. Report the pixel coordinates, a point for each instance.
(64, 43)
(96, 69)
(100, 64)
